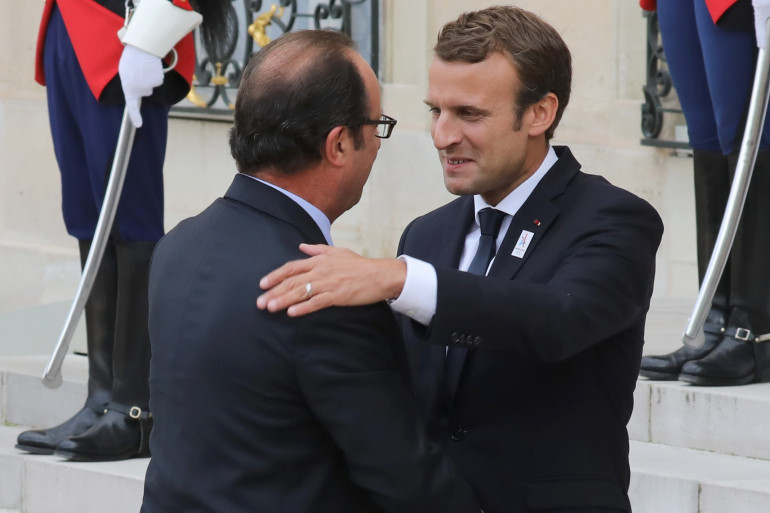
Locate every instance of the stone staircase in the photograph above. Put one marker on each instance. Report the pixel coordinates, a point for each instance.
(48, 484)
(693, 449)
(697, 449)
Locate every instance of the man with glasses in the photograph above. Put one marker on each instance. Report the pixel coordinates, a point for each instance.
(260, 412)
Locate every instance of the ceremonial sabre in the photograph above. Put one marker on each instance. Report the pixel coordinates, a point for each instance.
(693, 334)
(52, 375)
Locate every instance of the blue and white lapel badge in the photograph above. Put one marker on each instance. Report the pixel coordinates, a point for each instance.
(522, 244)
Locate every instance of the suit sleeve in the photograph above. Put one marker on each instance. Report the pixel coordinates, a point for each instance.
(352, 370)
(600, 287)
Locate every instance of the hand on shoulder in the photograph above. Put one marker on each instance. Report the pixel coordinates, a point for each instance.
(330, 277)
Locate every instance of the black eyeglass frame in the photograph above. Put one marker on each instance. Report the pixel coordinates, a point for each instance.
(386, 120)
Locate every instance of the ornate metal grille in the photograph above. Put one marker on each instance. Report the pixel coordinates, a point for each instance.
(218, 69)
(657, 90)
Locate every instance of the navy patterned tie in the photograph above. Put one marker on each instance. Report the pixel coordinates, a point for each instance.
(490, 220)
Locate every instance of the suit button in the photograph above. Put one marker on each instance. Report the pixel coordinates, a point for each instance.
(454, 337)
(477, 341)
(458, 434)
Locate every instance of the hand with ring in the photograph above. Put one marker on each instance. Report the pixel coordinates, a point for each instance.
(331, 277)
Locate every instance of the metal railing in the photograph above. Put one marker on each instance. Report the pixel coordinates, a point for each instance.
(254, 24)
(659, 103)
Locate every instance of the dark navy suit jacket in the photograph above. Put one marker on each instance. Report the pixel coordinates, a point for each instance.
(259, 412)
(554, 338)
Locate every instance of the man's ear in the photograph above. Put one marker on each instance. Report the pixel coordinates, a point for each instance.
(543, 113)
(337, 147)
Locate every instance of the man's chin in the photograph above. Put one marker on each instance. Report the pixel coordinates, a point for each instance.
(458, 189)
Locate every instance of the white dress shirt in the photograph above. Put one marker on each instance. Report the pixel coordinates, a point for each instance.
(418, 298)
(319, 217)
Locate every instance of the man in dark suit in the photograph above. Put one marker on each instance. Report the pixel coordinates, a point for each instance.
(262, 412)
(525, 365)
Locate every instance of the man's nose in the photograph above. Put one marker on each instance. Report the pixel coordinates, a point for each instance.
(445, 132)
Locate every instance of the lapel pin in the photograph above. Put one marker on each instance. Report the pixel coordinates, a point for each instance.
(522, 244)
(537, 222)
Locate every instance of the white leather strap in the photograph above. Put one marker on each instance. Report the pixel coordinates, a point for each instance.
(157, 25)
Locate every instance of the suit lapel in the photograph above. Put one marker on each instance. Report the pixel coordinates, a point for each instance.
(527, 228)
(534, 218)
(274, 203)
(455, 230)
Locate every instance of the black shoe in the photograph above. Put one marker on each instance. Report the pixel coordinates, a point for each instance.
(121, 433)
(737, 360)
(667, 367)
(44, 441)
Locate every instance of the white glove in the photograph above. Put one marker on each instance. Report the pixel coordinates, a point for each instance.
(761, 14)
(139, 72)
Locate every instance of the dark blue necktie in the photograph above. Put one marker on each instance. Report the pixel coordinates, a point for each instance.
(490, 220)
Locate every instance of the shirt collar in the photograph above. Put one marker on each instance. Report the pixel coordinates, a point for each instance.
(516, 198)
(319, 217)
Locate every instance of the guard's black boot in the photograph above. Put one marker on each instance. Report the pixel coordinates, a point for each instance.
(100, 330)
(711, 177)
(739, 359)
(123, 431)
(744, 354)
(667, 367)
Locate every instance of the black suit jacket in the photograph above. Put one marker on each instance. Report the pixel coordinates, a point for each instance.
(538, 419)
(261, 412)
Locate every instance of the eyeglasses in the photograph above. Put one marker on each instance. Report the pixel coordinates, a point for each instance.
(384, 126)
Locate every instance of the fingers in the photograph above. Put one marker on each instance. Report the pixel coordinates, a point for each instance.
(761, 15)
(287, 270)
(315, 249)
(329, 271)
(284, 295)
(313, 304)
(139, 72)
(296, 296)
(132, 105)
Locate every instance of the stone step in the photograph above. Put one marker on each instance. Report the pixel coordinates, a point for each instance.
(726, 420)
(664, 479)
(730, 420)
(667, 479)
(25, 401)
(49, 484)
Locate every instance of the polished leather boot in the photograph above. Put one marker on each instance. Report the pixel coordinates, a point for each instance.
(711, 180)
(123, 431)
(44, 441)
(667, 367)
(739, 359)
(100, 330)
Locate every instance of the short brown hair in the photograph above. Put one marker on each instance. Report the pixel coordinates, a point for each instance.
(539, 54)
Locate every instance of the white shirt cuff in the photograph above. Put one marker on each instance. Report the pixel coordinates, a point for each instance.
(418, 297)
